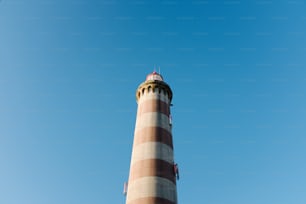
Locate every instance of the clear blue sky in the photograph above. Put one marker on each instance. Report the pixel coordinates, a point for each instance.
(68, 75)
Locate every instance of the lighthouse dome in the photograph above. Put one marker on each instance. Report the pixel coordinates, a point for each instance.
(154, 76)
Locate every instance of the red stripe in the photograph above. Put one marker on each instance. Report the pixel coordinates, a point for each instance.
(153, 134)
(152, 167)
(153, 105)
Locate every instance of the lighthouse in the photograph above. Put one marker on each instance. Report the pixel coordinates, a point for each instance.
(153, 172)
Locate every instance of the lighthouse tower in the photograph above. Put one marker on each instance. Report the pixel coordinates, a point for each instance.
(153, 173)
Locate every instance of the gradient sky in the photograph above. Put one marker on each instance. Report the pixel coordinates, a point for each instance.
(68, 75)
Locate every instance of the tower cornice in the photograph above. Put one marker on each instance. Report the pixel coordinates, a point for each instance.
(153, 86)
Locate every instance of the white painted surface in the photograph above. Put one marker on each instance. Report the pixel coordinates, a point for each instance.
(152, 150)
(157, 96)
(152, 187)
(153, 119)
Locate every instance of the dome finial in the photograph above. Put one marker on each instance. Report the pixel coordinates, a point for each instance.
(154, 70)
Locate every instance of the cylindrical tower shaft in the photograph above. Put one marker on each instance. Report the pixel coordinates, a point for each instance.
(152, 176)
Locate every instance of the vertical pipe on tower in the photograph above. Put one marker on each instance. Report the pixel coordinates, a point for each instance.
(152, 176)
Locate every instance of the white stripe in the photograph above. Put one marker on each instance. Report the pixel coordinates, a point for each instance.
(152, 187)
(152, 150)
(157, 96)
(153, 119)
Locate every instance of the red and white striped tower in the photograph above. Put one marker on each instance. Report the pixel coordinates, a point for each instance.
(152, 178)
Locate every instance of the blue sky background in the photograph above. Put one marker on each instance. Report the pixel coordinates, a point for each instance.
(68, 75)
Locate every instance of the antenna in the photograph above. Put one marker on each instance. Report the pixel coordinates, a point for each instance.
(159, 70)
(154, 68)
